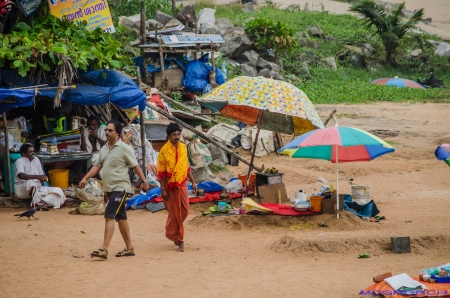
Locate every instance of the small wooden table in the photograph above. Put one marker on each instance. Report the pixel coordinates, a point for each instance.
(265, 179)
(73, 156)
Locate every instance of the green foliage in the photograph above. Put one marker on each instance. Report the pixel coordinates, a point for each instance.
(51, 42)
(351, 86)
(217, 168)
(132, 7)
(390, 26)
(271, 35)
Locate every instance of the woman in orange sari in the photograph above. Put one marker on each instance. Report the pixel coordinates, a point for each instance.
(173, 172)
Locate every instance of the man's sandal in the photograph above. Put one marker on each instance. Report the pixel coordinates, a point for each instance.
(100, 253)
(126, 253)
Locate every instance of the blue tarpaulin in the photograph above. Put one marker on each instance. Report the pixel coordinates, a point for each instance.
(116, 88)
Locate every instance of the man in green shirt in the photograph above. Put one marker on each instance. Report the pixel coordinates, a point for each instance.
(115, 159)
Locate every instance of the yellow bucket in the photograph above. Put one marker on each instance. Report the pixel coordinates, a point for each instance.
(316, 203)
(59, 178)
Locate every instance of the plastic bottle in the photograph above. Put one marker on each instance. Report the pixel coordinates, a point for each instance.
(435, 270)
(54, 141)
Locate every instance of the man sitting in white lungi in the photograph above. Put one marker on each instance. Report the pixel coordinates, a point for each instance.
(28, 178)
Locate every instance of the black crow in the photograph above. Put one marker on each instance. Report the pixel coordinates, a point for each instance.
(28, 213)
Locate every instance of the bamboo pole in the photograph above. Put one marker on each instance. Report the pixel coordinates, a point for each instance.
(142, 126)
(201, 134)
(182, 105)
(250, 168)
(8, 160)
(144, 40)
(329, 117)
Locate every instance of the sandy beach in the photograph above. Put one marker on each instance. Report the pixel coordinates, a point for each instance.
(256, 256)
(438, 10)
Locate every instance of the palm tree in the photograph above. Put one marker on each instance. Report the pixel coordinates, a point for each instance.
(390, 25)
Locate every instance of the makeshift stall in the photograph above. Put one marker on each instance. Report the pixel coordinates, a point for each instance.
(96, 88)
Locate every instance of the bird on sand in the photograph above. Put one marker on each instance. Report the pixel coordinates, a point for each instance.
(29, 213)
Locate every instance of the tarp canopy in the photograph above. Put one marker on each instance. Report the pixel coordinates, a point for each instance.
(116, 88)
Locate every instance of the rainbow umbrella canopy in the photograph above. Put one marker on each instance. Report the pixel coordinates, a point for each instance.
(282, 106)
(398, 82)
(337, 144)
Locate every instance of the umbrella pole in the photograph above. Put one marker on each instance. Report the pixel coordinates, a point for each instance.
(250, 167)
(337, 182)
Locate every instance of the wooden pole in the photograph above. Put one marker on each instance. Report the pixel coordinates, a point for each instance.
(182, 105)
(143, 142)
(201, 134)
(161, 59)
(329, 117)
(8, 160)
(144, 40)
(174, 8)
(250, 168)
(142, 126)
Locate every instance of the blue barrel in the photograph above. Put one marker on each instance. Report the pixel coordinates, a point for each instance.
(12, 157)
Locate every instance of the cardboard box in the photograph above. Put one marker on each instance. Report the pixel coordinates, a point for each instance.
(175, 76)
(328, 204)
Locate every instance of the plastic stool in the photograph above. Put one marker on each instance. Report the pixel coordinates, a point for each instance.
(61, 124)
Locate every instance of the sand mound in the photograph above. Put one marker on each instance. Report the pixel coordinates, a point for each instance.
(419, 245)
(347, 222)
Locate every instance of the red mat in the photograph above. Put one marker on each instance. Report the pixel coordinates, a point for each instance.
(286, 210)
(209, 197)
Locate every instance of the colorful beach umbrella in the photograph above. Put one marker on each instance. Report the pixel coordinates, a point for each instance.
(286, 108)
(398, 82)
(442, 154)
(337, 144)
(271, 104)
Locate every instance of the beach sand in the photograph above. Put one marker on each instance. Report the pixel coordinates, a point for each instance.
(438, 10)
(257, 256)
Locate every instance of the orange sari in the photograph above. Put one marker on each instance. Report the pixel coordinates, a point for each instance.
(173, 165)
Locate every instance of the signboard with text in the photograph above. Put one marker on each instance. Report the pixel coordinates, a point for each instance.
(94, 12)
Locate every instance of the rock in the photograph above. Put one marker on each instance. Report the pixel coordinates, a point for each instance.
(250, 57)
(415, 53)
(217, 154)
(173, 23)
(248, 70)
(223, 24)
(162, 17)
(283, 7)
(212, 30)
(435, 43)
(231, 62)
(356, 60)
(203, 174)
(304, 71)
(235, 45)
(300, 36)
(426, 21)
(308, 57)
(206, 19)
(268, 73)
(187, 10)
(153, 24)
(248, 7)
(367, 49)
(131, 21)
(443, 49)
(266, 64)
(234, 31)
(330, 62)
(354, 49)
(331, 38)
(309, 44)
(315, 31)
